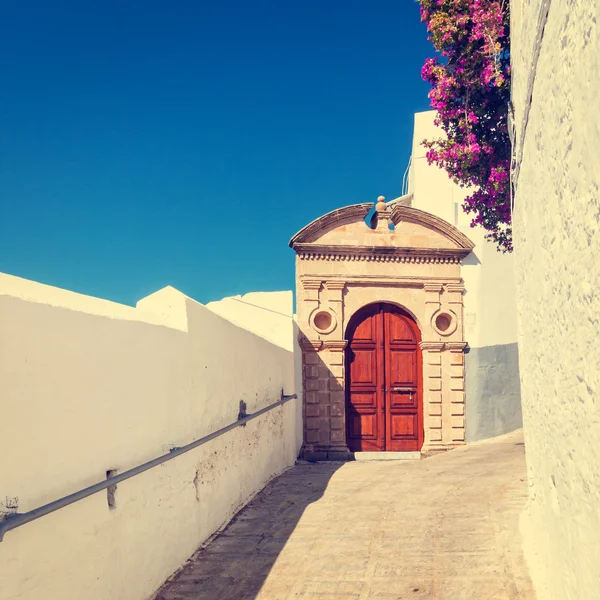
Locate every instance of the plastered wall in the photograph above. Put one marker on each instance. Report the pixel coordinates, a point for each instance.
(275, 310)
(269, 315)
(490, 317)
(88, 386)
(556, 61)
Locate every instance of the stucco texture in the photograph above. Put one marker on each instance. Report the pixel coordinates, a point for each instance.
(86, 393)
(493, 404)
(557, 256)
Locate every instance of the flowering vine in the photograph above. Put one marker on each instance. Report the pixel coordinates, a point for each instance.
(471, 92)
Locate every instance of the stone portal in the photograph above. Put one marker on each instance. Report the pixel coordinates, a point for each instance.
(404, 258)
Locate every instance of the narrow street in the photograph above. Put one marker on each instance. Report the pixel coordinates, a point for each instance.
(444, 528)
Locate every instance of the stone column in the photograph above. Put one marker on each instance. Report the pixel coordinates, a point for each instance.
(432, 395)
(455, 430)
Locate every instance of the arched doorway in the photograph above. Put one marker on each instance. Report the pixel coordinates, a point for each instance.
(384, 406)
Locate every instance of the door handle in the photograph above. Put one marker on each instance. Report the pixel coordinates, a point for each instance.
(410, 391)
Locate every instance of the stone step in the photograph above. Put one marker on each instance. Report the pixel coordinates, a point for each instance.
(368, 456)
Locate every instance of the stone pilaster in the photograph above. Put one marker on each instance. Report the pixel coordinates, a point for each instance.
(324, 400)
(454, 291)
(312, 289)
(313, 394)
(333, 357)
(432, 394)
(432, 301)
(455, 294)
(336, 300)
(456, 393)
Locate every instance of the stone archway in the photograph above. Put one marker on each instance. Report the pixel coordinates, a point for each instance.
(343, 265)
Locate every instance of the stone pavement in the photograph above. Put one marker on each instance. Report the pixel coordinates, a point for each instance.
(443, 528)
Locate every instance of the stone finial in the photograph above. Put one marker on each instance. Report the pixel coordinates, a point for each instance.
(381, 215)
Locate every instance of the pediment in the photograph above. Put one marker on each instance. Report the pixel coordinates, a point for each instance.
(415, 231)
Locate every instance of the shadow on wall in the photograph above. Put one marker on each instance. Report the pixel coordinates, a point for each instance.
(471, 260)
(324, 398)
(237, 563)
(493, 390)
(298, 387)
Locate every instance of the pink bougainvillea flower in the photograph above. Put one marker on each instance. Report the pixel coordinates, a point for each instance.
(470, 92)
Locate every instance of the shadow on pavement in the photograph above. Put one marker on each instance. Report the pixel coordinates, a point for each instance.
(236, 563)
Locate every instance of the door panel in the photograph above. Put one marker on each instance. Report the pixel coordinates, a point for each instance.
(403, 426)
(383, 373)
(364, 426)
(364, 399)
(402, 400)
(400, 331)
(403, 366)
(366, 331)
(363, 369)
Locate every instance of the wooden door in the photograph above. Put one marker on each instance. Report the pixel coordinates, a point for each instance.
(383, 375)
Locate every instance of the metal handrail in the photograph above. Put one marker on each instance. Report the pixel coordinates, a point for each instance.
(12, 521)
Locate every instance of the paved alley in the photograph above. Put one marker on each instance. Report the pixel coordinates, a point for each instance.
(444, 528)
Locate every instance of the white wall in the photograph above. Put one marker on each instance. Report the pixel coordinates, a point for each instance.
(431, 187)
(490, 311)
(269, 315)
(557, 252)
(490, 314)
(88, 386)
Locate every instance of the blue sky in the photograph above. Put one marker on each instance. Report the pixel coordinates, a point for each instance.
(146, 144)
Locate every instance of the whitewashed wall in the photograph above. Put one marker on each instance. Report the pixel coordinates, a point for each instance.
(269, 315)
(556, 90)
(87, 386)
(493, 405)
